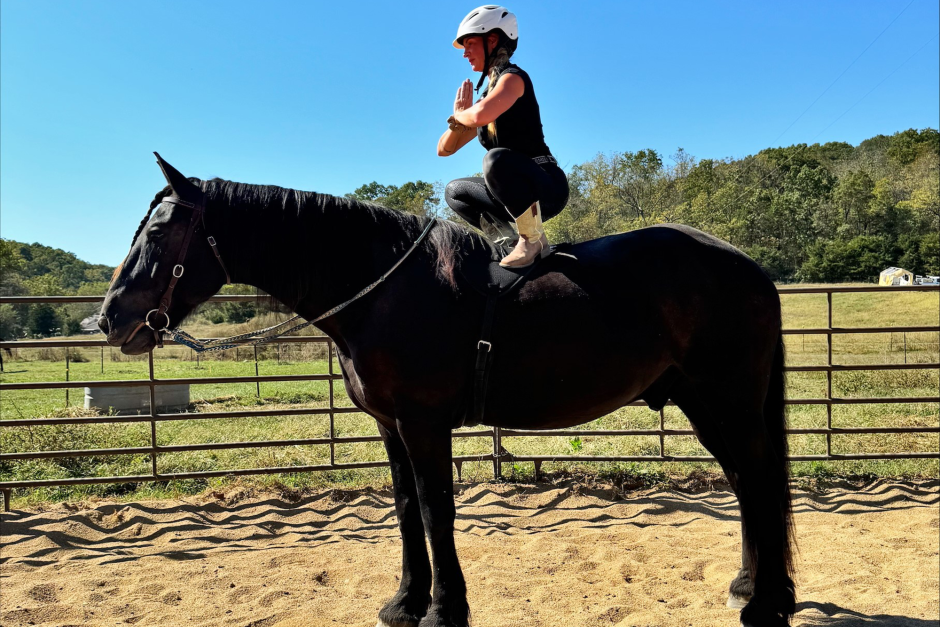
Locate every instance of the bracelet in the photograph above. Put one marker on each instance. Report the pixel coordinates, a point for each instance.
(456, 126)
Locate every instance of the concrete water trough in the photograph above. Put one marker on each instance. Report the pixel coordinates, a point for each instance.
(136, 400)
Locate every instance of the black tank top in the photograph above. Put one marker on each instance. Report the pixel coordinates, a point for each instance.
(520, 127)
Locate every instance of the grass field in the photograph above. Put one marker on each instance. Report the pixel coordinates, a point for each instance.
(800, 312)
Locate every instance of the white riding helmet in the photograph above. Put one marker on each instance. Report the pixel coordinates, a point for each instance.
(486, 18)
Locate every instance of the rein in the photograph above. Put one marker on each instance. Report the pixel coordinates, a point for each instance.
(258, 337)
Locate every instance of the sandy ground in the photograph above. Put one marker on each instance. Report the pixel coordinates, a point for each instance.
(544, 555)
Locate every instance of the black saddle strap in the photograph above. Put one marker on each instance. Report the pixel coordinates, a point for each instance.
(484, 358)
(485, 349)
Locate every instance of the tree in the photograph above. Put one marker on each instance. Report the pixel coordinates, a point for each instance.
(930, 253)
(905, 147)
(11, 323)
(924, 198)
(418, 198)
(853, 195)
(702, 179)
(12, 266)
(636, 175)
(859, 259)
(43, 320)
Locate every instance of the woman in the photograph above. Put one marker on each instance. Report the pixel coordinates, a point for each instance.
(521, 178)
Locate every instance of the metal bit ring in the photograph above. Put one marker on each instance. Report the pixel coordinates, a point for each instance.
(165, 315)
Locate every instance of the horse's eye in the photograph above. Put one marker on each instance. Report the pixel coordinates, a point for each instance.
(154, 235)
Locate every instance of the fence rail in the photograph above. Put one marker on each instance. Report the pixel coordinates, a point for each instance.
(499, 455)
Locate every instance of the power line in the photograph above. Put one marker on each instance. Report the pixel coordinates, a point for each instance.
(805, 146)
(836, 80)
(843, 73)
(876, 86)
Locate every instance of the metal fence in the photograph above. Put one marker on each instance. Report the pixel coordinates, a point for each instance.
(499, 455)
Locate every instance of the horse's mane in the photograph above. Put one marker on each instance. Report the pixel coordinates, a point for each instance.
(447, 241)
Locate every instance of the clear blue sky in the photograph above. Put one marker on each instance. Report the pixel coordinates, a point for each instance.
(328, 96)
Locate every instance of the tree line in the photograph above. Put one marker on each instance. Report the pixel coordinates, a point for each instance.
(819, 213)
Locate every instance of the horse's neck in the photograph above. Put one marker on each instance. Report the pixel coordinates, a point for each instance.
(314, 257)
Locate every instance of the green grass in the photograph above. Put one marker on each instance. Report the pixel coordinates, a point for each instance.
(800, 312)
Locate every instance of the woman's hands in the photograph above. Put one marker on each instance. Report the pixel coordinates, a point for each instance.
(464, 98)
(458, 135)
(495, 103)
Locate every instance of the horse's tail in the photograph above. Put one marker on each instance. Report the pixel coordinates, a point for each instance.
(775, 419)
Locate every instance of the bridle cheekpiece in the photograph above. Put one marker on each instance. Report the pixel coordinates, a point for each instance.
(198, 217)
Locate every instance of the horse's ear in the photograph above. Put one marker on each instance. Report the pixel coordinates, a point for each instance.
(179, 183)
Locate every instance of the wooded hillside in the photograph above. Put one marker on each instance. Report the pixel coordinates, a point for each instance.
(830, 212)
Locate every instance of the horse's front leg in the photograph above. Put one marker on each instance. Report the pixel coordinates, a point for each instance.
(411, 602)
(429, 449)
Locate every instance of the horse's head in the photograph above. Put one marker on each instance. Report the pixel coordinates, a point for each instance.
(170, 269)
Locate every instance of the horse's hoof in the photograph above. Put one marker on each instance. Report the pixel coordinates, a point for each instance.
(754, 617)
(737, 602)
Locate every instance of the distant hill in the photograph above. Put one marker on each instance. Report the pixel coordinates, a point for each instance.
(37, 270)
(822, 212)
(66, 273)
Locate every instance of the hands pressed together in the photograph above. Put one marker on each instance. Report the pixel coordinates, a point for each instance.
(463, 101)
(464, 98)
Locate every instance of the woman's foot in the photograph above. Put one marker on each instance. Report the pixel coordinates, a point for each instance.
(525, 254)
(532, 241)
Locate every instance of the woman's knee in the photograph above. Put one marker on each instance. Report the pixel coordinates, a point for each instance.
(460, 194)
(452, 191)
(495, 161)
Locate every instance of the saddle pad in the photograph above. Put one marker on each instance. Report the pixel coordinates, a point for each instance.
(491, 279)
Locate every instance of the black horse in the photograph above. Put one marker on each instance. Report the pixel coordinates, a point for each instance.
(660, 313)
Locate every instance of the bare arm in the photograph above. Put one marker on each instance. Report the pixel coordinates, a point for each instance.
(452, 141)
(509, 89)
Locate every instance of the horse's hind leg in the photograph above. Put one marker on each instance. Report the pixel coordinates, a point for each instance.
(411, 602)
(740, 434)
(707, 430)
(763, 494)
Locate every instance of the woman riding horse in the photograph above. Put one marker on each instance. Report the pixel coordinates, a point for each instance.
(521, 178)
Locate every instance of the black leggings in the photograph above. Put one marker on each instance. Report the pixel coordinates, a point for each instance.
(511, 182)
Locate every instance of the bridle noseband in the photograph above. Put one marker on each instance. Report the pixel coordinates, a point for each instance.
(198, 216)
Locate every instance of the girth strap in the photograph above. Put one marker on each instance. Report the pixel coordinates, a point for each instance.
(484, 359)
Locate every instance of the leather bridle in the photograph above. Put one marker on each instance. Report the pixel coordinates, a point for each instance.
(254, 337)
(198, 217)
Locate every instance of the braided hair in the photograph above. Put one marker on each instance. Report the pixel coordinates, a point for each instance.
(498, 61)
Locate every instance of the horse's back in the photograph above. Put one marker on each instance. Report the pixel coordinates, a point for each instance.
(669, 248)
(691, 287)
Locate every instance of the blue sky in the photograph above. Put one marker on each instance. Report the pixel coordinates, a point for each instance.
(328, 96)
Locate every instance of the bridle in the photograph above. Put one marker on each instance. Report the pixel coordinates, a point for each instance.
(198, 217)
(251, 338)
